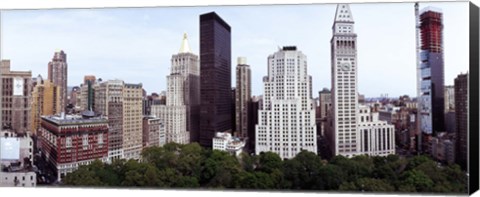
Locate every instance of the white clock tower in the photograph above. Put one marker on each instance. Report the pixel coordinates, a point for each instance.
(345, 136)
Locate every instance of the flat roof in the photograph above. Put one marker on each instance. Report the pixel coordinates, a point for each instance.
(72, 120)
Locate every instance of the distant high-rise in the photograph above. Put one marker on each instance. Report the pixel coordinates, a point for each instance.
(325, 103)
(132, 120)
(16, 98)
(215, 77)
(242, 97)
(82, 100)
(58, 74)
(45, 101)
(431, 72)
(449, 98)
(461, 117)
(286, 123)
(109, 102)
(90, 78)
(253, 107)
(449, 114)
(344, 84)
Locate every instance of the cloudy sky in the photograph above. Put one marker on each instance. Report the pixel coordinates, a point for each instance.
(136, 44)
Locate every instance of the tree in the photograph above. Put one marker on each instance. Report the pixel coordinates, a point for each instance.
(269, 161)
(330, 177)
(85, 175)
(353, 169)
(248, 162)
(190, 160)
(219, 168)
(418, 180)
(302, 170)
(367, 185)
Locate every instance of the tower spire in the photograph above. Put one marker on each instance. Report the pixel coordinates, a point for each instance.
(185, 48)
(343, 13)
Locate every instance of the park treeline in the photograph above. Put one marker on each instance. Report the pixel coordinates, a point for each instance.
(192, 167)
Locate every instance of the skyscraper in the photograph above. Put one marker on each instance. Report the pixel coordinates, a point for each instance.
(344, 84)
(58, 74)
(181, 110)
(109, 102)
(242, 97)
(215, 77)
(16, 97)
(325, 103)
(286, 123)
(461, 117)
(449, 98)
(186, 63)
(45, 101)
(132, 120)
(253, 107)
(431, 106)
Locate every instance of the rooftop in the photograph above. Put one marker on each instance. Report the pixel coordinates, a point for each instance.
(74, 119)
(430, 8)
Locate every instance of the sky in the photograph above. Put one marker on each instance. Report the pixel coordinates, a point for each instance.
(136, 44)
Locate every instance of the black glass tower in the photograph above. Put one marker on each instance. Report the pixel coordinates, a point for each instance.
(215, 77)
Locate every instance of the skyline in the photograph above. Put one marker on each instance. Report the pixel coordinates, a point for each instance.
(157, 40)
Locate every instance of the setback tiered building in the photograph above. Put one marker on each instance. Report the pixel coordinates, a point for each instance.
(286, 122)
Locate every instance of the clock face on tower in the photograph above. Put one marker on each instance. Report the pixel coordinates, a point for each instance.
(345, 66)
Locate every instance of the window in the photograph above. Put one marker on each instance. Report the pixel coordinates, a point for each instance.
(100, 138)
(85, 140)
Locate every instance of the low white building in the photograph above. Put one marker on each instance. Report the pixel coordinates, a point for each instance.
(14, 171)
(15, 147)
(20, 178)
(377, 138)
(224, 141)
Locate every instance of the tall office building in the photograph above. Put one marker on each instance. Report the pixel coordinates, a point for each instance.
(45, 101)
(431, 103)
(74, 94)
(174, 113)
(109, 102)
(58, 74)
(449, 98)
(242, 97)
(182, 98)
(186, 63)
(344, 84)
(449, 113)
(461, 117)
(325, 102)
(90, 78)
(253, 107)
(215, 77)
(82, 100)
(286, 123)
(16, 98)
(132, 120)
